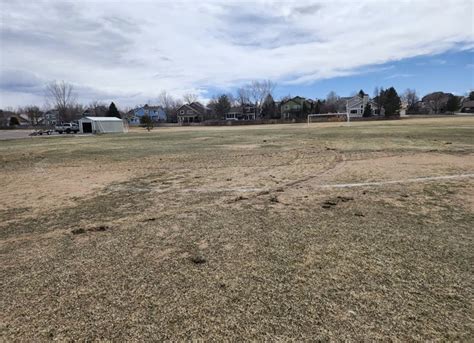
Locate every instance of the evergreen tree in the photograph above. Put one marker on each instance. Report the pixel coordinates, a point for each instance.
(453, 103)
(146, 122)
(269, 109)
(367, 111)
(222, 106)
(471, 95)
(306, 109)
(390, 101)
(113, 112)
(361, 93)
(317, 107)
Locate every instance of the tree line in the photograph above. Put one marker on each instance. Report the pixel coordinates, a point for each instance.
(256, 95)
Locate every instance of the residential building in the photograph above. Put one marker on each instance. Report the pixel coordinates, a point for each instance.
(467, 106)
(192, 113)
(297, 107)
(246, 112)
(156, 113)
(355, 106)
(51, 117)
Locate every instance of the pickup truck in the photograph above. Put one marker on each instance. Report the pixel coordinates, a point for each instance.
(67, 127)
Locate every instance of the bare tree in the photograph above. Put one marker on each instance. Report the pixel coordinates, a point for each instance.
(242, 97)
(259, 90)
(34, 114)
(411, 99)
(62, 96)
(189, 98)
(332, 102)
(168, 102)
(436, 101)
(97, 108)
(170, 105)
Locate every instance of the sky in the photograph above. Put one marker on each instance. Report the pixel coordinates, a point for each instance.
(129, 51)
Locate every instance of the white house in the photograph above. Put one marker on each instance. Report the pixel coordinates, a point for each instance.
(101, 125)
(356, 105)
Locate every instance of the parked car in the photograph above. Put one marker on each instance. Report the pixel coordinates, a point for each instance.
(67, 127)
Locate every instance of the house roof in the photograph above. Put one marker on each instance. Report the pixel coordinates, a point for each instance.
(151, 107)
(469, 103)
(196, 107)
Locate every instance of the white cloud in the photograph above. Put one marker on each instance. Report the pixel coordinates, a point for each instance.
(399, 76)
(131, 50)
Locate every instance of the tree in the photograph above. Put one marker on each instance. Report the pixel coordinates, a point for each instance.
(317, 107)
(97, 109)
(243, 97)
(222, 106)
(390, 101)
(436, 101)
(113, 112)
(189, 98)
(62, 96)
(3, 118)
(170, 105)
(411, 99)
(14, 121)
(367, 111)
(361, 93)
(332, 102)
(34, 114)
(453, 104)
(258, 91)
(471, 95)
(379, 98)
(146, 122)
(269, 109)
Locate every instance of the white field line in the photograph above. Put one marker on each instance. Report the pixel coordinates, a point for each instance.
(381, 183)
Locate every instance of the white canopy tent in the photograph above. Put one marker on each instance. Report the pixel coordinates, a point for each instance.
(101, 125)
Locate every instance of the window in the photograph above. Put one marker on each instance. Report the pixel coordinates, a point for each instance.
(181, 112)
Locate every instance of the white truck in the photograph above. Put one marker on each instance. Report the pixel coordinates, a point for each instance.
(67, 127)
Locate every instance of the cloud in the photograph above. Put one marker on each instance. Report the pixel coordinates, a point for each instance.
(399, 76)
(131, 50)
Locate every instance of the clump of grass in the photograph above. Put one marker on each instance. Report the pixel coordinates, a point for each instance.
(198, 259)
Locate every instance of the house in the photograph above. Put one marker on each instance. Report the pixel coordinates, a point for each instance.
(194, 112)
(156, 113)
(467, 106)
(355, 106)
(245, 112)
(403, 109)
(101, 125)
(51, 117)
(295, 107)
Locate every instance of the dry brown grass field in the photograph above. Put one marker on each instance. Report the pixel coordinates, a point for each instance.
(284, 232)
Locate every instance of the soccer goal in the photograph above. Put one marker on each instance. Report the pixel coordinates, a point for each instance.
(331, 117)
